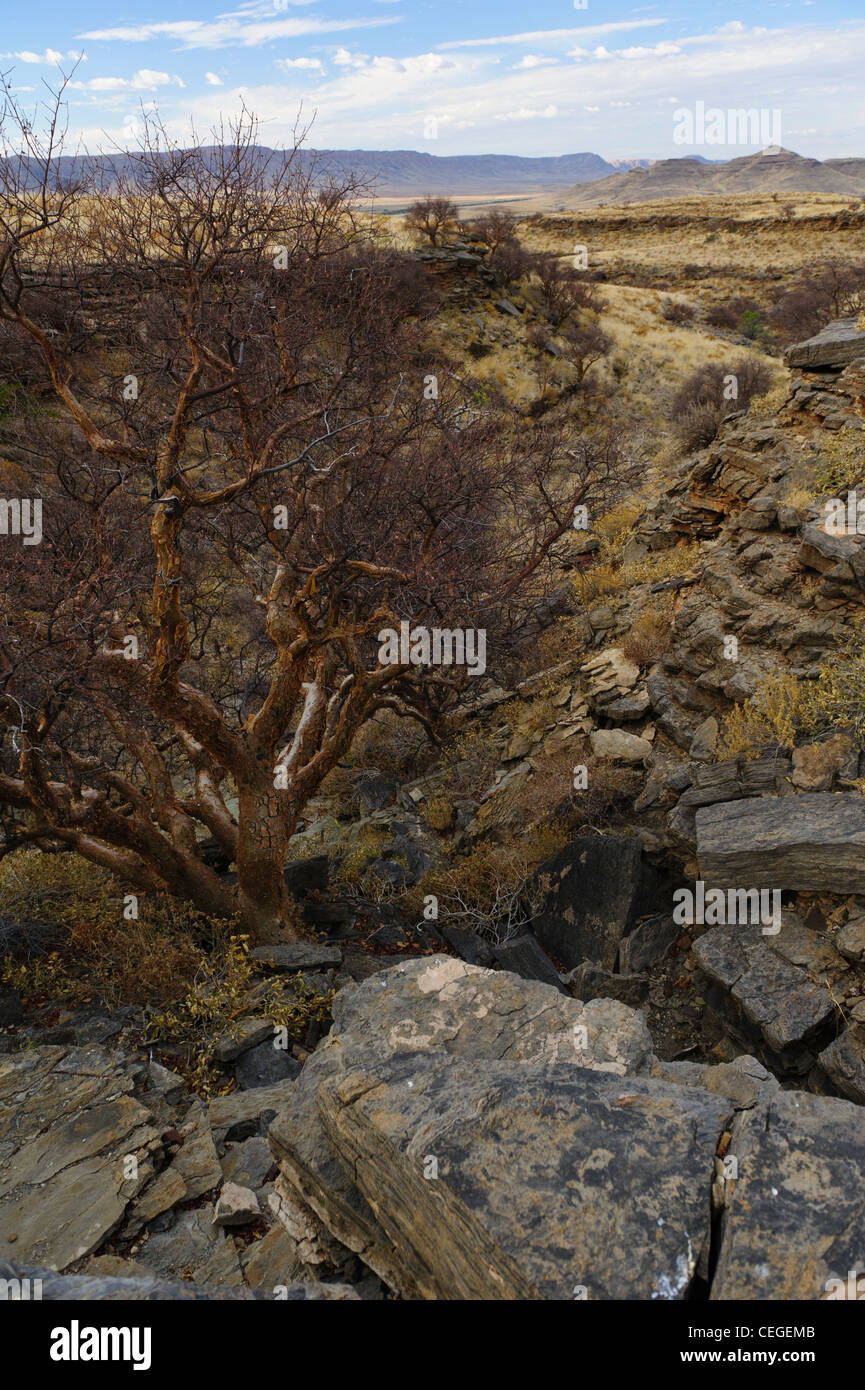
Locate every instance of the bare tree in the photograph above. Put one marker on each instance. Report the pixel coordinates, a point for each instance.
(432, 218)
(242, 483)
(587, 343)
(494, 229)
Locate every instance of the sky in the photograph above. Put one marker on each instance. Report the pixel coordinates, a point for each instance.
(447, 77)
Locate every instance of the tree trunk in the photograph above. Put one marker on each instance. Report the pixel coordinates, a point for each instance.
(265, 903)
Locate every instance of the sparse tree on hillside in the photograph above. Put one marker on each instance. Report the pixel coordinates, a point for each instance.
(495, 229)
(587, 343)
(567, 291)
(242, 483)
(432, 218)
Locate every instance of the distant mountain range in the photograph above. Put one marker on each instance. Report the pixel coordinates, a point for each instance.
(576, 180)
(779, 171)
(413, 173)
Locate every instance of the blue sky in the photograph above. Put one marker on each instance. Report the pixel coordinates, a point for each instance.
(450, 77)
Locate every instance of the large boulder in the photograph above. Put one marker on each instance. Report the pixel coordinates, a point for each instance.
(813, 842)
(430, 1006)
(531, 1181)
(594, 891)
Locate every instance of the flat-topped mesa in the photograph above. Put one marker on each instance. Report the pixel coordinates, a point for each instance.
(836, 345)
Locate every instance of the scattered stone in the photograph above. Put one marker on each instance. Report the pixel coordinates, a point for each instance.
(11, 1010)
(468, 945)
(703, 743)
(265, 1065)
(197, 1162)
(273, 1261)
(591, 982)
(850, 940)
(610, 671)
(843, 1062)
(816, 765)
(526, 958)
(235, 1206)
(650, 941)
(759, 992)
(246, 1033)
(250, 1164)
(166, 1190)
(619, 746)
(375, 791)
(241, 1114)
(193, 1249)
(304, 876)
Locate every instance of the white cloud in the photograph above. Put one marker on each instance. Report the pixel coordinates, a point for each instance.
(238, 28)
(532, 60)
(145, 80)
(306, 64)
(555, 35)
(49, 56)
(344, 59)
(212, 79)
(525, 113)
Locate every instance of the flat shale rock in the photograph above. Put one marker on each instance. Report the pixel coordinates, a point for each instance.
(67, 1123)
(241, 1114)
(762, 994)
(197, 1162)
(814, 842)
(794, 1217)
(265, 1065)
(524, 957)
(434, 1005)
(530, 1181)
(292, 957)
(193, 1248)
(271, 1261)
(834, 346)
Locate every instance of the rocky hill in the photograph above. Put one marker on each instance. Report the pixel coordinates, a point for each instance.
(767, 172)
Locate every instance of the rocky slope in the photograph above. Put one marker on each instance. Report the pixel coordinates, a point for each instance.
(665, 1107)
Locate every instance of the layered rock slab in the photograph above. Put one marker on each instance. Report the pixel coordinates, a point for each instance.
(763, 994)
(794, 1217)
(533, 1180)
(440, 1006)
(813, 842)
(68, 1129)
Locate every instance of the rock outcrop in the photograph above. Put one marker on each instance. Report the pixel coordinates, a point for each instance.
(451, 1135)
